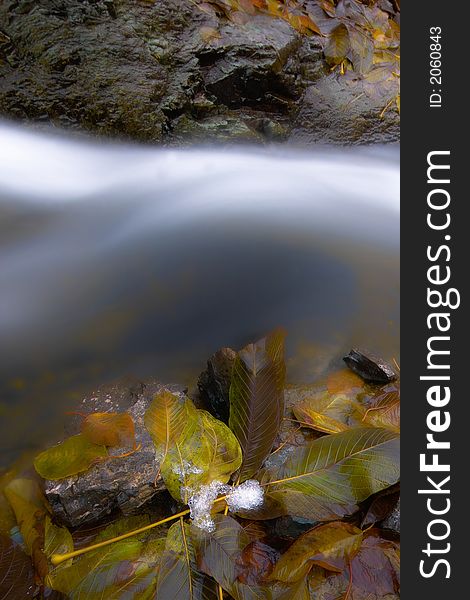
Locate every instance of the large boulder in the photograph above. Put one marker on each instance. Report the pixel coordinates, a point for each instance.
(152, 71)
(123, 485)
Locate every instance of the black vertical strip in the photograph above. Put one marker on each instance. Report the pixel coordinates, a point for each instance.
(433, 123)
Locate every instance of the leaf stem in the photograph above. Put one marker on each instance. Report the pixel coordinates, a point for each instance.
(57, 559)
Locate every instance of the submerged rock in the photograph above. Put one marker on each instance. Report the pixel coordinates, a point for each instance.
(146, 71)
(122, 484)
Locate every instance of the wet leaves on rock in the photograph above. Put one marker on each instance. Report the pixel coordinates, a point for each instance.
(74, 455)
(109, 429)
(206, 451)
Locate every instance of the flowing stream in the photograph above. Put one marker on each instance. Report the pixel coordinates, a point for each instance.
(118, 259)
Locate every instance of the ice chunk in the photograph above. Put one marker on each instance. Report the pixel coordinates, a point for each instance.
(248, 496)
(200, 504)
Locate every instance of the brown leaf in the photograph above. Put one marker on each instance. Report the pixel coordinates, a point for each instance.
(338, 45)
(331, 546)
(16, 572)
(373, 574)
(257, 400)
(329, 413)
(362, 50)
(384, 410)
(256, 562)
(329, 7)
(303, 23)
(381, 506)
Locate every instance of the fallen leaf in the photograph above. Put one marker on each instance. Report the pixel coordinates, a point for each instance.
(208, 451)
(329, 413)
(74, 455)
(331, 546)
(327, 478)
(109, 429)
(256, 562)
(17, 575)
(29, 506)
(384, 408)
(257, 400)
(178, 577)
(338, 45)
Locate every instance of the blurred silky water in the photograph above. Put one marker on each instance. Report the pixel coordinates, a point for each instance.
(126, 260)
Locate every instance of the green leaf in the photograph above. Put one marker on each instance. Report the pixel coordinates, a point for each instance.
(331, 546)
(208, 451)
(109, 429)
(28, 504)
(338, 45)
(218, 555)
(74, 455)
(329, 413)
(257, 400)
(167, 417)
(57, 540)
(328, 477)
(178, 577)
(15, 471)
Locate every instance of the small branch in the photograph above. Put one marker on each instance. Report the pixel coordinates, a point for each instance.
(57, 559)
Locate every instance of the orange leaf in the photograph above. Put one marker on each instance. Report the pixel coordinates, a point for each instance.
(344, 381)
(109, 429)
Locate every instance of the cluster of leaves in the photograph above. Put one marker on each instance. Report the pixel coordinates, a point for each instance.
(355, 457)
(77, 453)
(360, 38)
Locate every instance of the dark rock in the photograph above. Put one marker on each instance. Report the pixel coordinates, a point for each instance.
(214, 383)
(142, 70)
(124, 484)
(393, 520)
(369, 367)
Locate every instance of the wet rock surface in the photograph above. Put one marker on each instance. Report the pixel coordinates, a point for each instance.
(142, 70)
(214, 383)
(122, 484)
(393, 520)
(370, 368)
